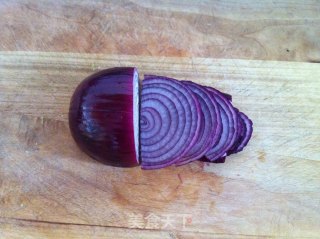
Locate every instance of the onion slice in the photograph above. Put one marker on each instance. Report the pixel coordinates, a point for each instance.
(239, 134)
(210, 125)
(170, 121)
(229, 127)
(247, 131)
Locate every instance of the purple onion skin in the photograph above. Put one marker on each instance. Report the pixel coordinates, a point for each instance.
(101, 117)
(219, 160)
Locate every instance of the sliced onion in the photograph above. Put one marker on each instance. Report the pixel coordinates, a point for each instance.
(178, 121)
(239, 134)
(175, 112)
(229, 127)
(210, 125)
(247, 132)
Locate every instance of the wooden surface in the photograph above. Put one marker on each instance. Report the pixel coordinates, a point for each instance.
(270, 189)
(50, 189)
(247, 29)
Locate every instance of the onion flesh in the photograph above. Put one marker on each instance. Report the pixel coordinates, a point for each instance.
(247, 132)
(229, 127)
(211, 127)
(177, 121)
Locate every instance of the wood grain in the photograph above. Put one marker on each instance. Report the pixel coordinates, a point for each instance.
(266, 30)
(35, 229)
(271, 189)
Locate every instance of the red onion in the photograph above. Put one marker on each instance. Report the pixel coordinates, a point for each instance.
(177, 122)
(239, 134)
(229, 127)
(210, 125)
(176, 113)
(104, 116)
(246, 132)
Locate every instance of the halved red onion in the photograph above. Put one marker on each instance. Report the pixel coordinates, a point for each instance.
(104, 116)
(179, 121)
(210, 125)
(170, 121)
(229, 124)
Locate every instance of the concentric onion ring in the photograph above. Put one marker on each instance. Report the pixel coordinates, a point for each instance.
(239, 134)
(229, 124)
(178, 120)
(210, 125)
(247, 131)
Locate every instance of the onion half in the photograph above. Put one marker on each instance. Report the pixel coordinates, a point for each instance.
(104, 116)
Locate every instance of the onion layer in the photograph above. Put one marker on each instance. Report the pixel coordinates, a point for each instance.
(229, 127)
(210, 125)
(175, 112)
(246, 133)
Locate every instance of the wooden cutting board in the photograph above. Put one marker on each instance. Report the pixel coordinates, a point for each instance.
(50, 189)
(271, 188)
